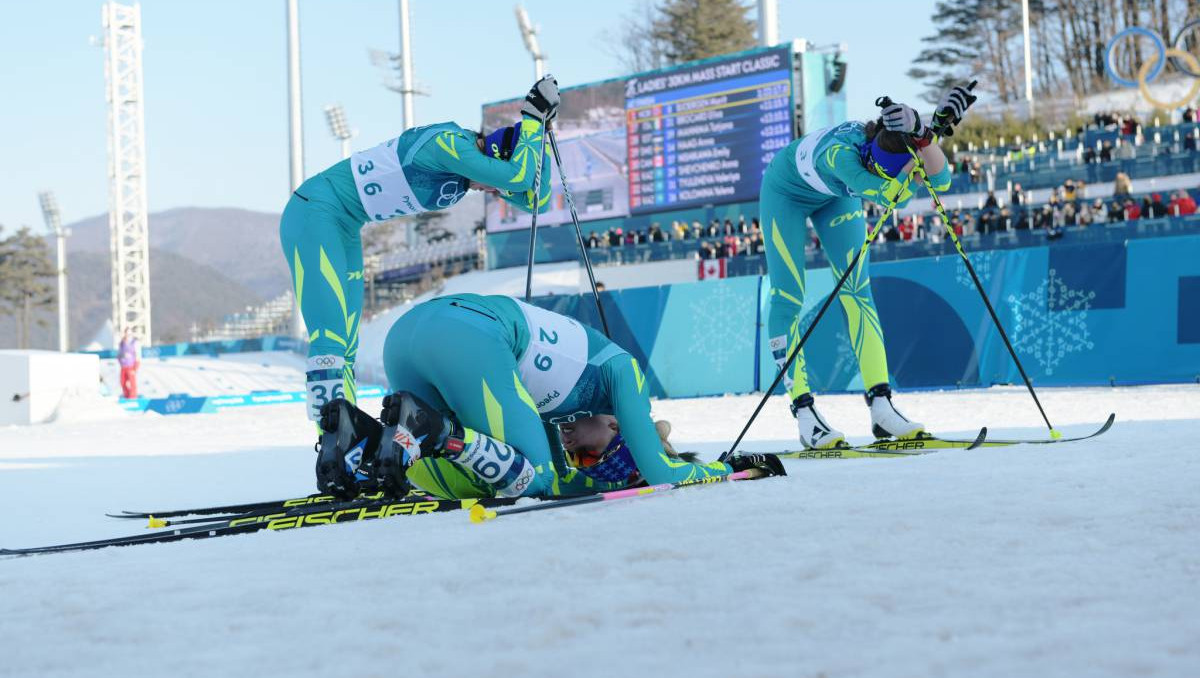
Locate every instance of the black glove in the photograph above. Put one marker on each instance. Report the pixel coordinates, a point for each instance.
(951, 108)
(542, 101)
(768, 463)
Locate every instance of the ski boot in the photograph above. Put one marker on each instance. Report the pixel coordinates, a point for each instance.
(346, 448)
(414, 429)
(886, 420)
(815, 434)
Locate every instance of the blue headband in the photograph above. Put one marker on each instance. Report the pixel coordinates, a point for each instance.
(887, 163)
(614, 465)
(502, 142)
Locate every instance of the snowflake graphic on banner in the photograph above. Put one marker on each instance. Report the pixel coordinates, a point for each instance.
(981, 262)
(1051, 321)
(720, 333)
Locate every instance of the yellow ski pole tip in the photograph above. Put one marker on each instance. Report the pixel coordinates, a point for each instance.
(480, 514)
(1055, 434)
(156, 522)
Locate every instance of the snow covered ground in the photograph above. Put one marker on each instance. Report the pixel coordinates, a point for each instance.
(1074, 560)
(230, 374)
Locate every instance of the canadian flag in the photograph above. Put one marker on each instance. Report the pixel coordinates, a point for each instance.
(712, 268)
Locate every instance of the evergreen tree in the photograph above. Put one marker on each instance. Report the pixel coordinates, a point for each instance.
(698, 29)
(26, 275)
(666, 32)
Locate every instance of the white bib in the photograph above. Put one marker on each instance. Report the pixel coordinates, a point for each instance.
(806, 160)
(555, 358)
(382, 186)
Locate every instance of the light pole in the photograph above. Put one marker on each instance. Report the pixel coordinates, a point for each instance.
(768, 22)
(295, 129)
(335, 115)
(406, 67)
(1028, 57)
(529, 36)
(54, 224)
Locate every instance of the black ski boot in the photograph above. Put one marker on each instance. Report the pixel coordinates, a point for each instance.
(412, 429)
(346, 449)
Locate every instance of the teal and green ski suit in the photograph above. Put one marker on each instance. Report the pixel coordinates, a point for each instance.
(426, 168)
(821, 176)
(512, 371)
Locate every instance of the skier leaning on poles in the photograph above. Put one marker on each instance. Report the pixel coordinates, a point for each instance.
(825, 176)
(424, 169)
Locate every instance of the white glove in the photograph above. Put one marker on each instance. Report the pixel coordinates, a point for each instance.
(543, 100)
(903, 118)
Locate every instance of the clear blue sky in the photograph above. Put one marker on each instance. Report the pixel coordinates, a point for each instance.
(216, 90)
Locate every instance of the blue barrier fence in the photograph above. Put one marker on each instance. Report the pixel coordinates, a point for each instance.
(182, 403)
(1086, 313)
(1118, 231)
(215, 348)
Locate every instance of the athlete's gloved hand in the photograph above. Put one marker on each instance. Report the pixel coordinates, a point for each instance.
(951, 109)
(896, 192)
(543, 99)
(767, 463)
(903, 118)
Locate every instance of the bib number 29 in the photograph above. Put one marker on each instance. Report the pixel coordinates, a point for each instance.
(543, 362)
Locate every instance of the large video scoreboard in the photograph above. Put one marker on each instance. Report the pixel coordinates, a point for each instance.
(698, 134)
(705, 134)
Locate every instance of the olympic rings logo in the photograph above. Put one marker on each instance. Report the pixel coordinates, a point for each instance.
(1153, 66)
(457, 191)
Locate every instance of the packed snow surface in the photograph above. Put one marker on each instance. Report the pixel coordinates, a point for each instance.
(201, 375)
(1080, 559)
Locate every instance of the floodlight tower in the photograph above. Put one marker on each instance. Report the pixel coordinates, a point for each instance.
(127, 216)
(54, 224)
(529, 36)
(335, 115)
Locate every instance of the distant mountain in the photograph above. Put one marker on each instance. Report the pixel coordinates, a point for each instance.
(242, 245)
(205, 263)
(182, 292)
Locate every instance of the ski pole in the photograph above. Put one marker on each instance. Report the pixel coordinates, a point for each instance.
(919, 168)
(536, 202)
(587, 261)
(480, 513)
(874, 232)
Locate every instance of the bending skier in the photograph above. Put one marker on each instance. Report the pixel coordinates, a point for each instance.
(424, 169)
(825, 176)
(482, 385)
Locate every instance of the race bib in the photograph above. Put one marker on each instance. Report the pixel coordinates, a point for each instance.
(555, 358)
(324, 381)
(806, 152)
(382, 187)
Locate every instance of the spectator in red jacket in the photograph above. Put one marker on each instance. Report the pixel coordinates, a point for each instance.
(1182, 204)
(1132, 211)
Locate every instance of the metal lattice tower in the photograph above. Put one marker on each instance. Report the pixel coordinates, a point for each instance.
(127, 216)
